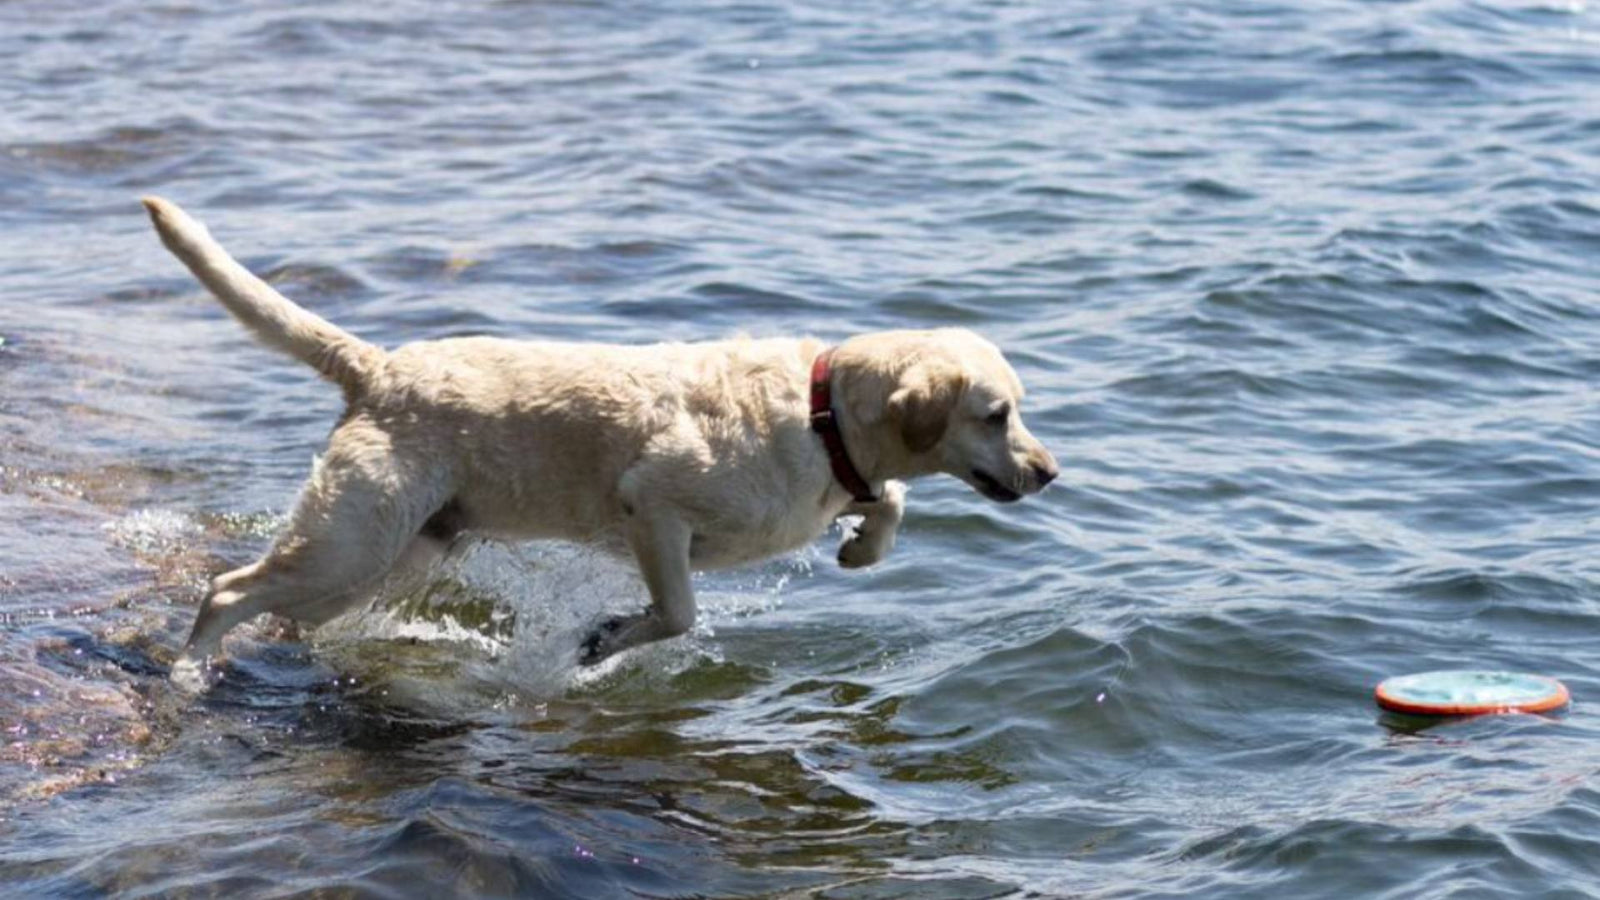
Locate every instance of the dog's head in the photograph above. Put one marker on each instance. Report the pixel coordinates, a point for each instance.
(952, 403)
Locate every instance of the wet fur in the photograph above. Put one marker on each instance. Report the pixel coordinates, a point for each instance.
(686, 456)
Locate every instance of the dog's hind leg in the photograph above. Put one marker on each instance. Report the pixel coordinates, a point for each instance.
(445, 534)
(361, 508)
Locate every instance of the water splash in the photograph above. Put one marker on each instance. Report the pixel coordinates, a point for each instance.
(505, 621)
(154, 532)
(499, 619)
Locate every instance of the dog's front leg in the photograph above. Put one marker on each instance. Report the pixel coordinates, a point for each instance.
(874, 537)
(660, 543)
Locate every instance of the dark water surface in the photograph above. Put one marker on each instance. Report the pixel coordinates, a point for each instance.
(1304, 295)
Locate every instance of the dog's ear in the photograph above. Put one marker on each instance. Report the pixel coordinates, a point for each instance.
(921, 406)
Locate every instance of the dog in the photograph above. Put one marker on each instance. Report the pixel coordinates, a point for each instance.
(688, 456)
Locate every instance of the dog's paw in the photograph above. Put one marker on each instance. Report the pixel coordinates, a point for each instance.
(601, 642)
(858, 552)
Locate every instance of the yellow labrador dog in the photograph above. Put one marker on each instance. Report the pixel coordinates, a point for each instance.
(691, 456)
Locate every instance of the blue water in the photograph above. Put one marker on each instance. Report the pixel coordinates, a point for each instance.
(1303, 294)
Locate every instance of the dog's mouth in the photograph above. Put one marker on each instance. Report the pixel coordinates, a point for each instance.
(990, 487)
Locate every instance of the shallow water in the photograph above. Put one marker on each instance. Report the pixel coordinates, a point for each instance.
(1303, 295)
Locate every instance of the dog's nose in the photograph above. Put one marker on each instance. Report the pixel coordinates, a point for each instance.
(1046, 473)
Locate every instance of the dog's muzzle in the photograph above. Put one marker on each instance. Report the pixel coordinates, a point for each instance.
(990, 487)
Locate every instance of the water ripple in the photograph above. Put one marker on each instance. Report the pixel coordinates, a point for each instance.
(1303, 296)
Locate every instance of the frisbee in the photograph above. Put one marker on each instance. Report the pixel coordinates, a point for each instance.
(1470, 693)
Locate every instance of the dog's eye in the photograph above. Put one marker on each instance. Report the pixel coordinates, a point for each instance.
(999, 416)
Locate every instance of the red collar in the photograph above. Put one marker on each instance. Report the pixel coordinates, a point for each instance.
(826, 425)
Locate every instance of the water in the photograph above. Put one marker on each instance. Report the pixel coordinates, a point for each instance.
(1303, 295)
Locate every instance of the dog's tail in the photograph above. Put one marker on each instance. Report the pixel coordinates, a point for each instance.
(338, 355)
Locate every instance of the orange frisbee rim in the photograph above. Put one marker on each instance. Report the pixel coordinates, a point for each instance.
(1555, 699)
